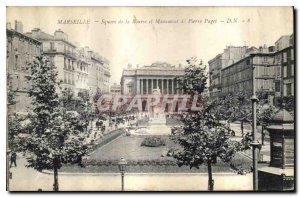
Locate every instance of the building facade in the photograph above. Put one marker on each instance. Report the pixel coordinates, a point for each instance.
(106, 76)
(81, 72)
(79, 69)
(115, 89)
(229, 56)
(273, 69)
(239, 76)
(285, 59)
(99, 73)
(61, 52)
(157, 78)
(142, 80)
(20, 51)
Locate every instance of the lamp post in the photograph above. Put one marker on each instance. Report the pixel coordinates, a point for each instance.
(262, 133)
(56, 139)
(255, 144)
(7, 169)
(122, 167)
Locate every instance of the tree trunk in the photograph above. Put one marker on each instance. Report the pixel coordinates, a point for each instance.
(262, 134)
(242, 127)
(55, 165)
(210, 180)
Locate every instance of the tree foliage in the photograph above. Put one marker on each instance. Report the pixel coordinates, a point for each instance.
(194, 80)
(202, 137)
(53, 133)
(265, 114)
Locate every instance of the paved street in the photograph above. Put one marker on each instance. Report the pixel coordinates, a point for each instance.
(30, 180)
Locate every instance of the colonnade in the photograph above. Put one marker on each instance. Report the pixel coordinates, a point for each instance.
(166, 86)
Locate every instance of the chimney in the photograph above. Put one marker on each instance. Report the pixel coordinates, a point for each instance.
(129, 66)
(179, 65)
(59, 34)
(18, 26)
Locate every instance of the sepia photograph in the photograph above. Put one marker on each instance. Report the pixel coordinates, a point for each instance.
(150, 99)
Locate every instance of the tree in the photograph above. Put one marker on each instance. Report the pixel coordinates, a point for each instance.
(202, 138)
(53, 139)
(95, 99)
(13, 124)
(243, 109)
(67, 99)
(265, 114)
(234, 107)
(287, 103)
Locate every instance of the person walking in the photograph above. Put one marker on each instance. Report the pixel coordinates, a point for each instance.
(13, 159)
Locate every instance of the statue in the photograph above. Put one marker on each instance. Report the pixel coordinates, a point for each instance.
(157, 109)
(156, 92)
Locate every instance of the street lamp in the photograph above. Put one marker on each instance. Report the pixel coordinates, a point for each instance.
(255, 143)
(122, 167)
(8, 175)
(55, 138)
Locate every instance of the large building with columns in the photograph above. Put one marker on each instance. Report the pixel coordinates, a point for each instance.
(142, 80)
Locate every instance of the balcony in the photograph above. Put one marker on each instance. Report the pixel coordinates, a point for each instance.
(50, 50)
(70, 54)
(107, 73)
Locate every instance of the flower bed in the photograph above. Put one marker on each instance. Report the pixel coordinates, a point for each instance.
(153, 141)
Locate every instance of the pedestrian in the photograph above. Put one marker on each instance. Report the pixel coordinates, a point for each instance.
(98, 124)
(13, 159)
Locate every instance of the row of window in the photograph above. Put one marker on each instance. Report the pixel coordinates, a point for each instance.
(68, 64)
(19, 58)
(81, 81)
(236, 68)
(288, 89)
(69, 78)
(243, 86)
(261, 84)
(285, 56)
(82, 67)
(288, 71)
(243, 75)
(67, 48)
(25, 46)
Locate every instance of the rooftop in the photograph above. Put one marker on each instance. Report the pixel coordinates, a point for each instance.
(282, 117)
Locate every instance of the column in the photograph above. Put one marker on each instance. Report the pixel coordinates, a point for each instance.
(172, 86)
(142, 86)
(167, 86)
(156, 83)
(176, 87)
(162, 86)
(138, 88)
(152, 86)
(147, 81)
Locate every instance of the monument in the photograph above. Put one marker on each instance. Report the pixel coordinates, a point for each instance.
(158, 118)
(157, 115)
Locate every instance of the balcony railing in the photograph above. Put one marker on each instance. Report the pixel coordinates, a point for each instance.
(107, 73)
(70, 53)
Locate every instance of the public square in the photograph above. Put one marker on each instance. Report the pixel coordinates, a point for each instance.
(150, 99)
(145, 171)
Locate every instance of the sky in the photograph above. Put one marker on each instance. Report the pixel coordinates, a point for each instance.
(143, 44)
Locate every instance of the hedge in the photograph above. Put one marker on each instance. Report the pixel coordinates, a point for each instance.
(107, 138)
(154, 162)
